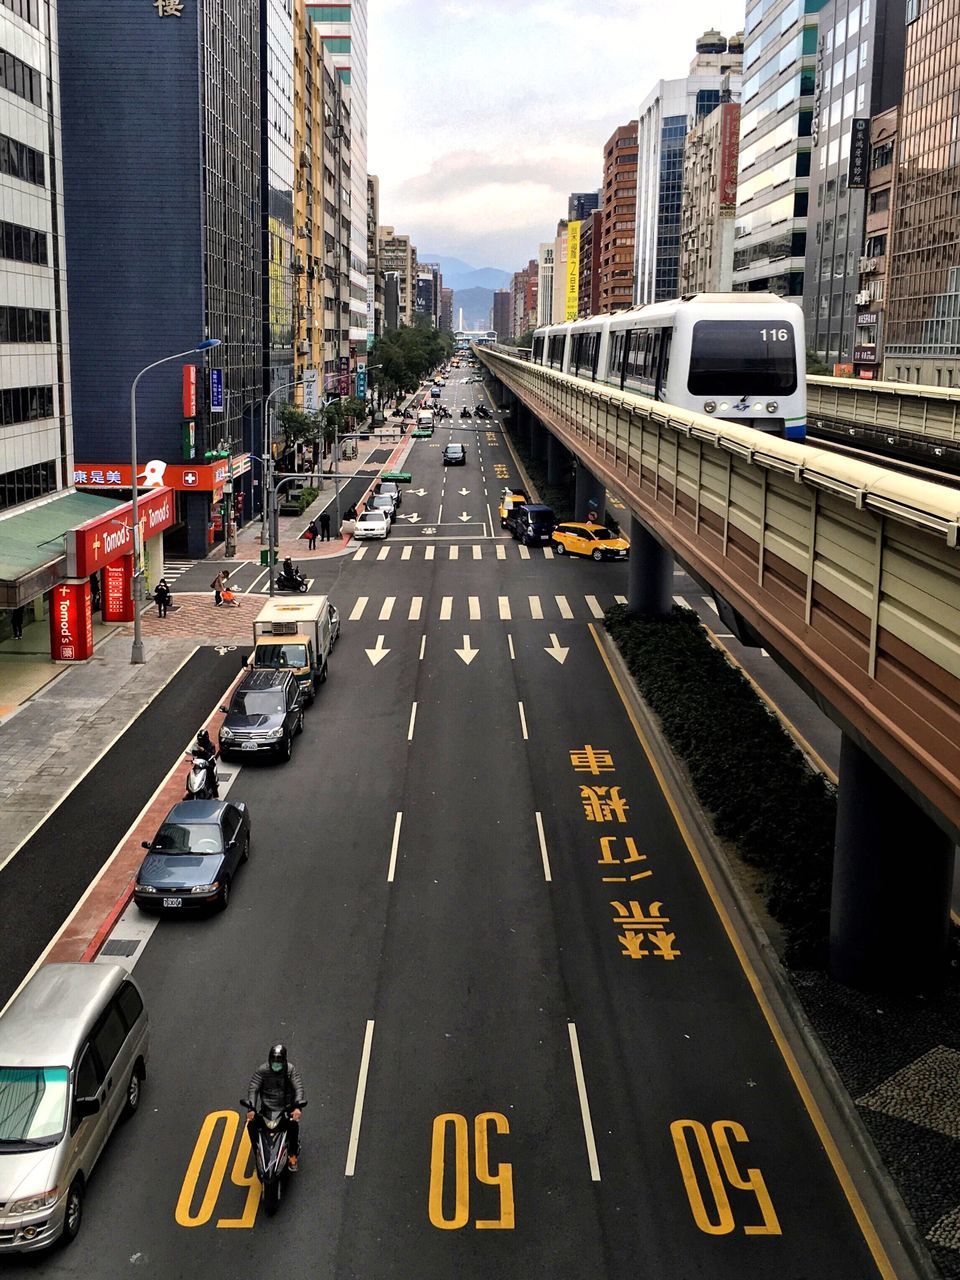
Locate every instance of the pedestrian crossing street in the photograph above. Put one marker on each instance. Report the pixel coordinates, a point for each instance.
(496, 550)
(470, 608)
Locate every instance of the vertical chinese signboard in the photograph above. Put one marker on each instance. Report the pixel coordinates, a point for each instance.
(189, 390)
(573, 270)
(71, 622)
(117, 595)
(343, 369)
(859, 153)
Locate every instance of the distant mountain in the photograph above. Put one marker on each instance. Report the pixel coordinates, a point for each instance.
(459, 275)
(477, 305)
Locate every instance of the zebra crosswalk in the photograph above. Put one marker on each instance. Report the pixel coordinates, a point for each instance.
(470, 608)
(497, 549)
(174, 569)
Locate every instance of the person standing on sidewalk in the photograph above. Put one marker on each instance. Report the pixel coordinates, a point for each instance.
(311, 534)
(217, 585)
(324, 526)
(162, 596)
(16, 621)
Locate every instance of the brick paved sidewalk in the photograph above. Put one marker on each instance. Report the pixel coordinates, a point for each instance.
(198, 617)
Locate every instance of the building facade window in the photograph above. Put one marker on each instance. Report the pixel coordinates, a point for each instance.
(26, 483)
(25, 404)
(17, 160)
(29, 10)
(23, 244)
(19, 78)
(24, 324)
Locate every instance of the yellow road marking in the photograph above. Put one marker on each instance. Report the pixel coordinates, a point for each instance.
(850, 1191)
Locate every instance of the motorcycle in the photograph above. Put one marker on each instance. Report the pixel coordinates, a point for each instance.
(465, 413)
(200, 779)
(297, 583)
(272, 1155)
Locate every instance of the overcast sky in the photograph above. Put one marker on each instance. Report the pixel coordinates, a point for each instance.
(482, 117)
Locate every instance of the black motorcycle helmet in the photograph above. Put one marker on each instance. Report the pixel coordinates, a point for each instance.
(203, 739)
(277, 1058)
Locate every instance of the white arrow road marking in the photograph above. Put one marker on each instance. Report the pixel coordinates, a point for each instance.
(467, 653)
(464, 517)
(556, 650)
(375, 655)
(413, 517)
(421, 493)
(463, 492)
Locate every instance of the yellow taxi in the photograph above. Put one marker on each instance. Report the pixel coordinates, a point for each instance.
(593, 540)
(510, 498)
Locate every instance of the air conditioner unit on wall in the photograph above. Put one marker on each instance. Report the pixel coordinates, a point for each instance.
(863, 297)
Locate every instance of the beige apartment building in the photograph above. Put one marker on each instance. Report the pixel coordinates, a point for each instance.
(321, 215)
(709, 202)
(398, 255)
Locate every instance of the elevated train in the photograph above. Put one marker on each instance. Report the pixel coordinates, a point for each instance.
(740, 357)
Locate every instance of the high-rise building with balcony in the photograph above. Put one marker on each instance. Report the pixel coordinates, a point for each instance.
(588, 294)
(922, 341)
(399, 257)
(709, 201)
(503, 313)
(161, 120)
(619, 213)
(276, 191)
(374, 270)
(321, 216)
(446, 310)
(581, 204)
(859, 74)
(36, 444)
(669, 111)
(343, 30)
(776, 119)
(874, 265)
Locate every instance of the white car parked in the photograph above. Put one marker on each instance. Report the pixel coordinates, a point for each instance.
(372, 524)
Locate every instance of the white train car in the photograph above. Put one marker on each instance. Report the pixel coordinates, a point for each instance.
(736, 356)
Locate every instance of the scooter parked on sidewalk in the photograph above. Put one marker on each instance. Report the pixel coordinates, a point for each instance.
(272, 1154)
(287, 583)
(201, 780)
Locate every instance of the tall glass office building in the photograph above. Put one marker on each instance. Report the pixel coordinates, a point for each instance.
(276, 188)
(343, 30)
(776, 117)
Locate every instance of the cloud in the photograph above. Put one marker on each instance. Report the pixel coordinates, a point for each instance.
(481, 119)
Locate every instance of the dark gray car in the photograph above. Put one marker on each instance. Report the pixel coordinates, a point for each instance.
(265, 714)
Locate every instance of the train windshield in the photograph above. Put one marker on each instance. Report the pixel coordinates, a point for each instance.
(742, 358)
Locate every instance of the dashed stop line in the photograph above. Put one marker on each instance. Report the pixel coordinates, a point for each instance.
(503, 604)
(406, 553)
(524, 552)
(428, 551)
(383, 553)
(564, 606)
(477, 553)
(593, 604)
(473, 603)
(501, 551)
(536, 608)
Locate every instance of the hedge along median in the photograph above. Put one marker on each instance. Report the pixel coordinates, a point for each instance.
(746, 770)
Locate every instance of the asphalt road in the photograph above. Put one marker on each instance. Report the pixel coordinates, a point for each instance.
(402, 925)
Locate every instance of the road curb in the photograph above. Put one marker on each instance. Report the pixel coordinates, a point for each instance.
(868, 1170)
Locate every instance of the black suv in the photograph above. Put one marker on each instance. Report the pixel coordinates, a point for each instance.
(455, 455)
(264, 714)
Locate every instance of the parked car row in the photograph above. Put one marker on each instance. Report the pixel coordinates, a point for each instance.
(535, 524)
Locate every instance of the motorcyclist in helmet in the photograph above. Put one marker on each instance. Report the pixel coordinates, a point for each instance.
(276, 1084)
(287, 571)
(204, 748)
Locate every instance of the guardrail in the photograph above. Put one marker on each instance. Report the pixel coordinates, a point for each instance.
(932, 413)
(849, 571)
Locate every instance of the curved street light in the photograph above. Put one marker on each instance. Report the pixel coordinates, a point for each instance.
(136, 652)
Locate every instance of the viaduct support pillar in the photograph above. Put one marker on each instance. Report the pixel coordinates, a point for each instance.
(591, 495)
(538, 439)
(650, 589)
(522, 425)
(556, 460)
(892, 874)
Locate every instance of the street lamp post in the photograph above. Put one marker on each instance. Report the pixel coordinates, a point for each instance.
(270, 496)
(136, 652)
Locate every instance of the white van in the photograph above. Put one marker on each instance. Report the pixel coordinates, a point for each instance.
(425, 420)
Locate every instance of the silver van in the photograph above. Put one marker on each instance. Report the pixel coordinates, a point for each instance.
(73, 1058)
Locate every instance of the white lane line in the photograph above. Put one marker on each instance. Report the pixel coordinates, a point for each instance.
(764, 654)
(563, 606)
(536, 609)
(584, 1103)
(440, 513)
(386, 609)
(548, 553)
(524, 552)
(446, 608)
(413, 721)
(513, 656)
(358, 1104)
(474, 605)
(501, 551)
(681, 602)
(357, 612)
(428, 552)
(711, 604)
(257, 580)
(489, 515)
(416, 604)
(383, 553)
(361, 552)
(94, 762)
(620, 599)
(503, 603)
(523, 723)
(406, 553)
(393, 849)
(477, 553)
(543, 849)
(423, 646)
(593, 604)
